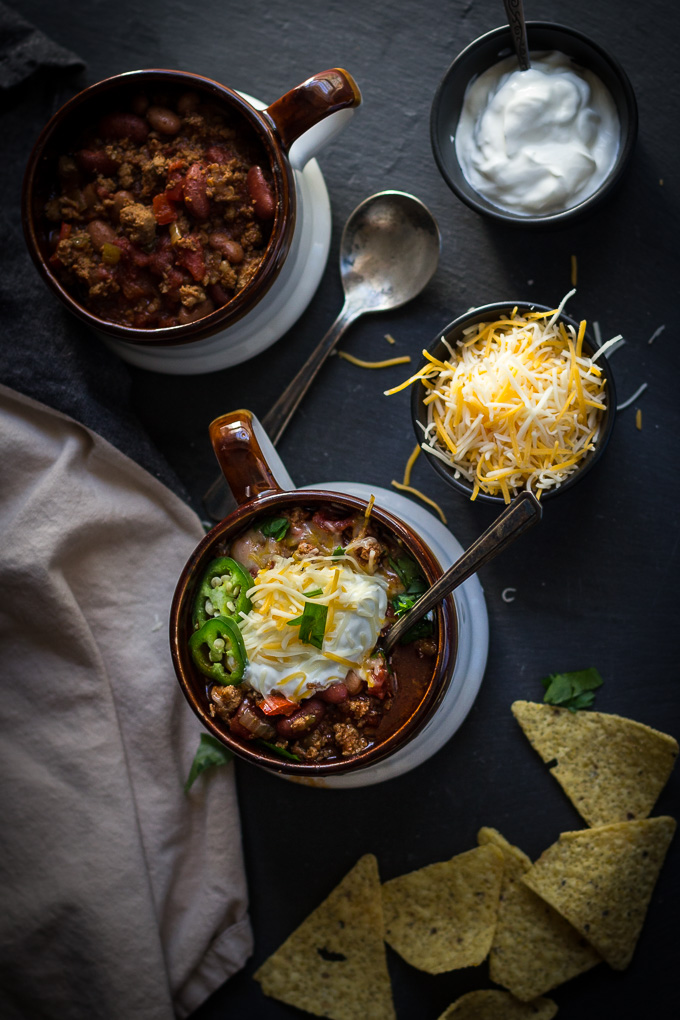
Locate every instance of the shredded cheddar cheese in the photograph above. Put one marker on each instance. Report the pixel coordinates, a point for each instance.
(517, 404)
(420, 495)
(409, 466)
(403, 360)
(638, 419)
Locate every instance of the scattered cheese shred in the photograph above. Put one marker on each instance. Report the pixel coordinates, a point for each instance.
(403, 360)
(409, 465)
(390, 339)
(517, 404)
(369, 507)
(420, 495)
(638, 419)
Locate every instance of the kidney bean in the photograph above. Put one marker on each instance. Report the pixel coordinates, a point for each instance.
(96, 161)
(219, 294)
(186, 315)
(90, 195)
(187, 103)
(302, 721)
(124, 125)
(165, 121)
(335, 694)
(217, 153)
(101, 233)
(195, 196)
(231, 249)
(260, 193)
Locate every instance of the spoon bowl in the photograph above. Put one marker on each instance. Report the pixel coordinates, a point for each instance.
(389, 251)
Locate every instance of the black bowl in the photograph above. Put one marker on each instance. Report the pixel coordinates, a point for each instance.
(453, 333)
(488, 50)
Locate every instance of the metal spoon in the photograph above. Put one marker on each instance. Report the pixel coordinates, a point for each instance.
(514, 10)
(389, 251)
(523, 513)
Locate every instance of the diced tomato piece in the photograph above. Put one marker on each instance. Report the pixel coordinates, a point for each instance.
(192, 259)
(163, 209)
(65, 231)
(276, 704)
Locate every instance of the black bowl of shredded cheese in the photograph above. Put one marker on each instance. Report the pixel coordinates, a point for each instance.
(513, 396)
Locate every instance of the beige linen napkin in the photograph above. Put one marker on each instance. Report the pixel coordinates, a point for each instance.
(121, 895)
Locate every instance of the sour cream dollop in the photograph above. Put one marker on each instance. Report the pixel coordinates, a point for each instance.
(277, 660)
(537, 141)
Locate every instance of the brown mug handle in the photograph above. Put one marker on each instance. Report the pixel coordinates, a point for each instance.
(312, 101)
(240, 456)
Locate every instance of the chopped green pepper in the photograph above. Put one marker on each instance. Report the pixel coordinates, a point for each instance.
(218, 650)
(222, 591)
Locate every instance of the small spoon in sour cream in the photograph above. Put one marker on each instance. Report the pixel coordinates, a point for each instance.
(514, 10)
(522, 514)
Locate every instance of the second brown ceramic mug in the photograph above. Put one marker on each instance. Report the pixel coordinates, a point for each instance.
(237, 440)
(309, 115)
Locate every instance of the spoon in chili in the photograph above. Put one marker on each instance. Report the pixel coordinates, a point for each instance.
(389, 251)
(523, 513)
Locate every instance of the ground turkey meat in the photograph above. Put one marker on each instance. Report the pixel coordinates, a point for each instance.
(349, 739)
(139, 223)
(226, 699)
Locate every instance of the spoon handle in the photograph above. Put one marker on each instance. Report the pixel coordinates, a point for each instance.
(514, 11)
(277, 418)
(523, 513)
(217, 500)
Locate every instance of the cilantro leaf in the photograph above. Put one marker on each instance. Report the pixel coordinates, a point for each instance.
(338, 551)
(407, 570)
(312, 624)
(573, 690)
(210, 752)
(275, 527)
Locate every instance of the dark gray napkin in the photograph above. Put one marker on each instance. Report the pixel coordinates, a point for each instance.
(46, 353)
(24, 50)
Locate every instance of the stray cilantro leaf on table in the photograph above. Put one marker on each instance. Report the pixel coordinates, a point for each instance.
(573, 690)
(210, 752)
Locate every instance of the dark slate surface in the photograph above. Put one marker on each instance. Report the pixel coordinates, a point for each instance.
(596, 584)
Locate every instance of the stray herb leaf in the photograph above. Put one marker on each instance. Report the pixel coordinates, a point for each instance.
(572, 690)
(275, 527)
(339, 551)
(312, 624)
(313, 594)
(407, 569)
(279, 750)
(210, 752)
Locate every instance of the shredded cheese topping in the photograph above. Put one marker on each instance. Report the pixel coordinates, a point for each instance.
(387, 363)
(277, 659)
(517, 405)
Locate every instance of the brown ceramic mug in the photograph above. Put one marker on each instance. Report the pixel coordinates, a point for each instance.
(301, 115)
(258, 495)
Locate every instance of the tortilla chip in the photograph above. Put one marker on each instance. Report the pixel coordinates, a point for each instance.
(611, 768)
(334, 964)
(494, 1005)
(534, 949)
(602, 880)
(443, 916)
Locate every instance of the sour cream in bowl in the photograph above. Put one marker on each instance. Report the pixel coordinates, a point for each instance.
(536, 147)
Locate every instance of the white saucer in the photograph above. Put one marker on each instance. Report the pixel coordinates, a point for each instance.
(279, 309)
(473, 645)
